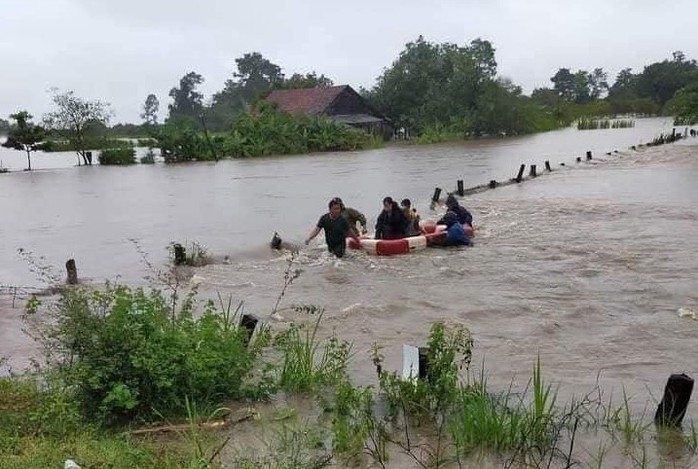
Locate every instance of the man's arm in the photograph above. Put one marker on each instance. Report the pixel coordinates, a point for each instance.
(313, 234)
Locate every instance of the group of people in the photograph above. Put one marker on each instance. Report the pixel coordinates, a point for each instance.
(394, 222)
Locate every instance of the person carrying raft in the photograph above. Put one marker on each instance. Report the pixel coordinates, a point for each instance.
(455, 232)
(336, 230)
(353, 216)
(463, 216)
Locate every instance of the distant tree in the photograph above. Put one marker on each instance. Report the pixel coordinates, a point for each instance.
(309, 80)
(582, 87)
(4, 126)
(564, 83)
(661, 80)
(547, 97)
(24, 135)
(625, 84)
(598, 82)
(150, 110)
(187, 101)
(73, 119)
(435, 84)
(254, 77)
(684, 104)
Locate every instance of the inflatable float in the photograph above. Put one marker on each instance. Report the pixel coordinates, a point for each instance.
(391, 247)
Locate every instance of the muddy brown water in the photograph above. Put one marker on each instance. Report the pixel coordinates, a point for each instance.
(586, 267)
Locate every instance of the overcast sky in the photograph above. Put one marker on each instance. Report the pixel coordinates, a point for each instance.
(122, 50)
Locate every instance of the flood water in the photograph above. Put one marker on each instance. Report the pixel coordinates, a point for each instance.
(586, 266)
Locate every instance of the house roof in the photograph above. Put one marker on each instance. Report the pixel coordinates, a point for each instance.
(307, 100)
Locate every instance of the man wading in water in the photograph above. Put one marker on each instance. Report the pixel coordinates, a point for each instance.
(336, 229)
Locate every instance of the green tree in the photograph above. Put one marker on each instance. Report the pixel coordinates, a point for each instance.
(255, 76)
(564, 84)
(684, 104)
(625, 84)
(433, 85)
(4, 126)
(661, 80)
(24, 135)
(309, 80)
(73, 119)
(582, 87)
(187, 101)
(150, 110)
(598, 82)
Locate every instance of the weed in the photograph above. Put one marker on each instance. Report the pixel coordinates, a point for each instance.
(309, 362)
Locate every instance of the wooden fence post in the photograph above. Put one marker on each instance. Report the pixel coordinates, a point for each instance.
(677, 393)
(532, 173)
(520, 175)
(72, 272)
(437, 194)
(461, 191)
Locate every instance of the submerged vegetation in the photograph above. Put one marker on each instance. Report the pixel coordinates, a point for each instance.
(593, 124)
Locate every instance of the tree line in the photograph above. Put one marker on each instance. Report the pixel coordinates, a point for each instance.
(668, 87)
(436, 90)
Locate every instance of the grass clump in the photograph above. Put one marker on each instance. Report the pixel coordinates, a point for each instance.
(591, 123)
(308, 363)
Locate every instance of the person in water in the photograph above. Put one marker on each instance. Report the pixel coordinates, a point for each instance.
(412, 216)
(392, 222)
(336, 230)
(455, 233)
(463, 216)
(353, 216)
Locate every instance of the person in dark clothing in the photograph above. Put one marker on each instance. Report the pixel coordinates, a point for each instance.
(455, 233)
(392, 222)
(353, 216)
(464, 217)
(336, 230)
(462, 214)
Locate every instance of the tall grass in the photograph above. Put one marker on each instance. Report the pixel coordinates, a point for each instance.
(589, 123)
(309, 363)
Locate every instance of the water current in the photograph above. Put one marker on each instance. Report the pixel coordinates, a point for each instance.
(586, 266)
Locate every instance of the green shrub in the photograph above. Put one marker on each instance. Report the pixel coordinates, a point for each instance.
(117, 156)
(129, 355)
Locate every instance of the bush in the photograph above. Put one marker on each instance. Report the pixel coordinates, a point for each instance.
(130, 355)
(117, 156)
(148, 158)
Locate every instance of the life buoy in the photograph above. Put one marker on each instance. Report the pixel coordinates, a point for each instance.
(391, 247)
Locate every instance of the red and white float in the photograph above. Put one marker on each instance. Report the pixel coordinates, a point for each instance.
(391, 247)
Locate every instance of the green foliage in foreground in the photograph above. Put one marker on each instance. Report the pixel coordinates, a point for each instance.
(130, 356)
(45, 428)
(117, 156)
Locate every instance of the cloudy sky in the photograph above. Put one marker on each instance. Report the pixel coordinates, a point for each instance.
(121, 50)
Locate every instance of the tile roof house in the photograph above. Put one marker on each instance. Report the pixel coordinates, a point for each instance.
(340, 103)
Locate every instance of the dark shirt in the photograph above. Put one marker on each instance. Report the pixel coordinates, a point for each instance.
(464, 217)
(336, 230)
(392, 225)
